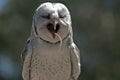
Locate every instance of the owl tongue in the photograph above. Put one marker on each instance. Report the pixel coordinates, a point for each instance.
(53, 29)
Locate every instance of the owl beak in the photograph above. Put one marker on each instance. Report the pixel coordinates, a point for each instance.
(56, 26)
(53, 28)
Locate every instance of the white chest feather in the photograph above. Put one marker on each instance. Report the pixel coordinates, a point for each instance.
(50, 62)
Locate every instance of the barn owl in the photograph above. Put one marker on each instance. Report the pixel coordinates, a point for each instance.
(50, 53)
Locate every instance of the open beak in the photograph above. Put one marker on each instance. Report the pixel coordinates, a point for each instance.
(53, 28)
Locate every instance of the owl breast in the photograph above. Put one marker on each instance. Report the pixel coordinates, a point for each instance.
(50, 64)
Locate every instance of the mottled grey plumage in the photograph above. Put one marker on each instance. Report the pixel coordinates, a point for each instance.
(43, 57)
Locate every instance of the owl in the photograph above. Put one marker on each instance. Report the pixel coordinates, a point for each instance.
(50, 52)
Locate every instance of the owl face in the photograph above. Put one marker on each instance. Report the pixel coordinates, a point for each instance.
(51, 18)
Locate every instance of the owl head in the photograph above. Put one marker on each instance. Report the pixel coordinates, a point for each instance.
(50, 19)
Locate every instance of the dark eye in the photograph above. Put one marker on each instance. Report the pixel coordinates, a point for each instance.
(62, 16)
(46, 16)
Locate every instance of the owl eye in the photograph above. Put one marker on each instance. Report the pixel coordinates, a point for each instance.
(46, 16)
(62, 15)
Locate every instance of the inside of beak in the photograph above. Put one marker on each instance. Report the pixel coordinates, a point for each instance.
(53, 28)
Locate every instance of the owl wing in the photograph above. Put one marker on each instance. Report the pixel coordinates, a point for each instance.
(75, 62)
(26, 58)
(26, 50)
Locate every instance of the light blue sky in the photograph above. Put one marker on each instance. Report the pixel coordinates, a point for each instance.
(2, 4)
